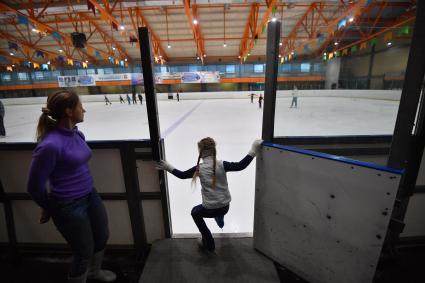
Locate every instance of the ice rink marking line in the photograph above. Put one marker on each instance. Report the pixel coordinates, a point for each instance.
(179, 121)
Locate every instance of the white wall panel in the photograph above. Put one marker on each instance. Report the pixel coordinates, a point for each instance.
(324, 219)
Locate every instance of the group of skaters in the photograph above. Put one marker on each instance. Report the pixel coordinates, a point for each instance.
(129, 100)
(294, 103)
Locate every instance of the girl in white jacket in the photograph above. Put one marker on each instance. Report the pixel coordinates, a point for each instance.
(215, 192)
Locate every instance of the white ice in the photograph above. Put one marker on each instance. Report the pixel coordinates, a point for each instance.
(233, 123)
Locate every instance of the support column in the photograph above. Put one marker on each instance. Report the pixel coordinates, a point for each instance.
(333, 68)
(158, 151)
(273, 38)
(407, 149)
(370, 70)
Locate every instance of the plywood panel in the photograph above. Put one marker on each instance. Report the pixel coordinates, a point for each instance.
(415, 217)
(148, 176)
(106, 168)
(28, 230)
(14, 167)
(3, 228)
(324, 219)
(154, 223)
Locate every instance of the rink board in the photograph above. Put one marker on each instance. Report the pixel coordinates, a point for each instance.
(106, 167)
(321, 216)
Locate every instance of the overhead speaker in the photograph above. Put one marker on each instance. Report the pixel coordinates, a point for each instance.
(78, 39)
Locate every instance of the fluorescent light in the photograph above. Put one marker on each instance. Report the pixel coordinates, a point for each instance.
(195, 21)
(122, 27)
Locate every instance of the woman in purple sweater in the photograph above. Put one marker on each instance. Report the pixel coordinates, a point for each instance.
(78, 213)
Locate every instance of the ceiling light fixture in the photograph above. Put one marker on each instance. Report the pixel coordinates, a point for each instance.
(195, 21)
(122, 27)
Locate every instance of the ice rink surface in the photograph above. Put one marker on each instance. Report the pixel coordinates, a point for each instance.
(233, 123)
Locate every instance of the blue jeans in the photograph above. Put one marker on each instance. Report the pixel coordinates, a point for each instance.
(84, 225)
(198, 214)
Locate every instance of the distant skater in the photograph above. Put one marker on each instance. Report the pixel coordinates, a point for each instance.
(2, 129)
(178, 96)
(134, 96)
(252, 97)
(107, 101)
(121, 100)
(128, 99)
(260, 100)
(140, 98)
(294, 97)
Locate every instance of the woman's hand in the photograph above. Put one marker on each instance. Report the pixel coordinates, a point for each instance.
(164, 165)
(45, 216)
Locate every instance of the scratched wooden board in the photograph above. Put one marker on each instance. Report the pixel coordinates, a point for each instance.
(322, 218)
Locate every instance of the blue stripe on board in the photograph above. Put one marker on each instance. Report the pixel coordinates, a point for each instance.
(336, 158)
(179, 121)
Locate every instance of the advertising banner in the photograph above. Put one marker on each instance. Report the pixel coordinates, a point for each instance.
(191, 78)
(113, 77)
(68, 81)
(210, 77)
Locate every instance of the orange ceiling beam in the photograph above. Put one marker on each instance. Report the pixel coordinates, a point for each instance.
(45, 28)
(107, 39)
(318, 24)
(270, 5)
(399, 22)
(159, 53)
(196, 30)
(250, 28)
(28, 46)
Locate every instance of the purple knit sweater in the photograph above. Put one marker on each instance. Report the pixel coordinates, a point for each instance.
(60, 158)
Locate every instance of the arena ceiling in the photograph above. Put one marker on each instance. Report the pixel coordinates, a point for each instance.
(225, 31)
